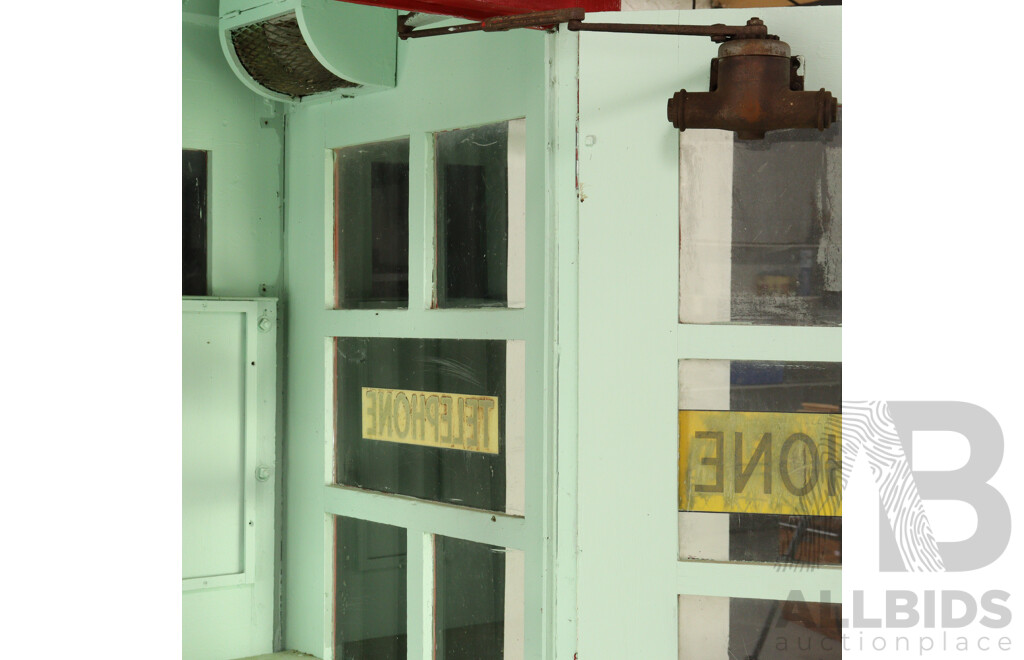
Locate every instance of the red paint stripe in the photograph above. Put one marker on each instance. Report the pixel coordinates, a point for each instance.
(479, 10)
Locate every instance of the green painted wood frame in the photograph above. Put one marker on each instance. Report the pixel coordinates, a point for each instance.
(629, 576)
(443, 84)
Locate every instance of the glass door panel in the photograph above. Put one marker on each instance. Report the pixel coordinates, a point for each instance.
(761, 228)
(437, 419)
(760, 461)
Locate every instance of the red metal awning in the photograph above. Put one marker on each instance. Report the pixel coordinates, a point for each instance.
(478, 10)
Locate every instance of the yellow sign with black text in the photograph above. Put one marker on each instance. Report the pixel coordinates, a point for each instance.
(431, 419)
(757, 462)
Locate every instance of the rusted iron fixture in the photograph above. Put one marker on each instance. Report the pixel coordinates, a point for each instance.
(574, 18)
(754, 89)
(538, 19)
(754, 83)
(717, 32)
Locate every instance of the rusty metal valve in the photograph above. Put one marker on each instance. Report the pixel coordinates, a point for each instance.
(754, 89)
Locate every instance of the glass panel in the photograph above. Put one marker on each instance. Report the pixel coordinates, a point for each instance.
(437, 419)
(481, 203)
(479, 601)
(371, 225)
(762, 483)
(370, 590)
(761, 223)
(722, 628)
(193, 222)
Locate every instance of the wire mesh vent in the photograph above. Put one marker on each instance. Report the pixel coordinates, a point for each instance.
(274, 53)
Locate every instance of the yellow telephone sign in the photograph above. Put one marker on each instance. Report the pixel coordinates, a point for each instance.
(432, 419)
(756, 462)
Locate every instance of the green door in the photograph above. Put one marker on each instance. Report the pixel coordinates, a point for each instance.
(419, 425)
(701, 288)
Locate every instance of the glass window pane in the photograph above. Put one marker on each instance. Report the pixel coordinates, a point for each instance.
(760, 461)
(370, 590)
(721, 628)
(479, 601)
(437, 419)
(481, 211)
(193, 222)
(761, 228)
(371, 239)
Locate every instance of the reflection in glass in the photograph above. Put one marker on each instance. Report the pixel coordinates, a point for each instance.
(481, 194)
(787, 387)
(767, 249)
(431, 451)
(370, 590)
(479, 601)
(371, 209)
(813, 540)
(756, 629)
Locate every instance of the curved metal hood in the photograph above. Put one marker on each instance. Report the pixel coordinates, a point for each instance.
(298, 50)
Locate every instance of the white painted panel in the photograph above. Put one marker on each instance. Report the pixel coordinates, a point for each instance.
(704, 622)
(703, 628)
(703, 535)
(705, 226)
(515, 428)
(704, 384)
(213, 443)
(517, 213)
(515, 601)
